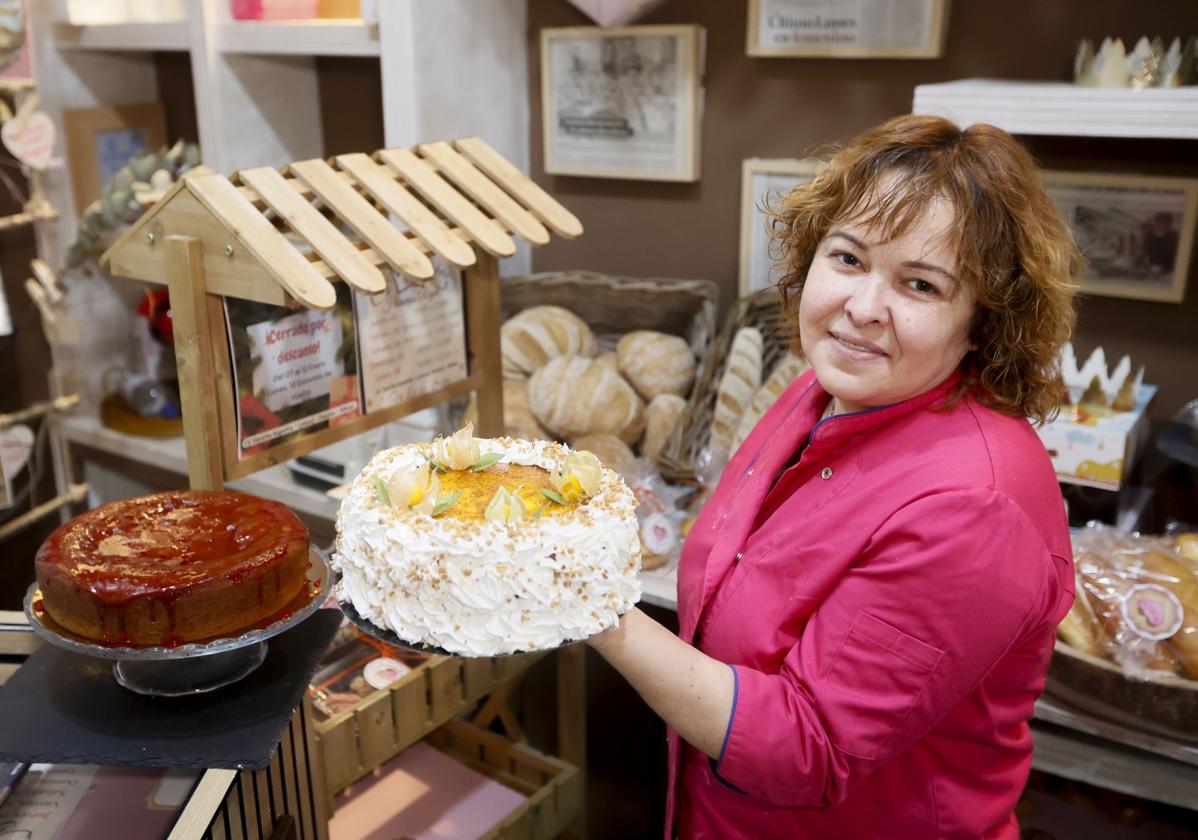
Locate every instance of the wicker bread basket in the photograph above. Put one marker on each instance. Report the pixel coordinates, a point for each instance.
(679, 457)
(1166, 705)
(613, 306)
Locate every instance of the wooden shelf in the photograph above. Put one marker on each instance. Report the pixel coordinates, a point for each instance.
(316, 37)
(128, 37)
(1064, 109)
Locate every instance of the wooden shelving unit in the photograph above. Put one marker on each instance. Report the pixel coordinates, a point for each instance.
(318, 37)
(1060, 108)
(123, 37)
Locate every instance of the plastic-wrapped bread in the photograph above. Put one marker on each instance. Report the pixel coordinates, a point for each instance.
(534, 336)
(608, 359)
(1174, 575)
(661, 418)
(741, 379)
(656, 363)
(573, 396)
(610, 450)
(518, 419)
(1080, 628)
(786, 371)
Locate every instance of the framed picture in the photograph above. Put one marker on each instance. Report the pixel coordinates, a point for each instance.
(847, 28)
(622, 103)
(102, 140)
(763, 182)
(1137, 231)
(15, 63)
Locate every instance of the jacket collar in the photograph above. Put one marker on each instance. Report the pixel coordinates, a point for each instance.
(833, 429)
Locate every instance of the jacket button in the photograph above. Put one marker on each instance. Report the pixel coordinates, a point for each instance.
(739, 555)
(826, 473)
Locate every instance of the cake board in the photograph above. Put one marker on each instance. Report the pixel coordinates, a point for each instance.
(62, 707)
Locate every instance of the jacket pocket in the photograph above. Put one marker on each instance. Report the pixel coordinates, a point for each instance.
(873, 683)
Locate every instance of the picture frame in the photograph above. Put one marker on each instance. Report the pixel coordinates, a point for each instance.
(622, 102)
(1137, 231)
(102, 140)
(847, 29)
(762, 180)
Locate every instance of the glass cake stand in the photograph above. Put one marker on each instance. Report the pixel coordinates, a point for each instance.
(195, 667)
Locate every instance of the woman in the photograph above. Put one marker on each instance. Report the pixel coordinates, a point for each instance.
(868, 601)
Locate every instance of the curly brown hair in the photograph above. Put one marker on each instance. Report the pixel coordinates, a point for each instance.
(1016, 254)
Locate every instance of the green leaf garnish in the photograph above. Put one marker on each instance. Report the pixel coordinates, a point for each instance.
(436, 465)
(445, 503)
(553, 496)
(486, 461)
(384, 496)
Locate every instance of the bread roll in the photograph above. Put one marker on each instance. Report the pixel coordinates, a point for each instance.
(1104, 593)
(656, 363)
(741, 379)
(518, 419)
(786, 371)
(534, 336)
(1174, 575)
(661, 418)
(573, 396)
(1079, 628)
(609, 449)
(608, 359)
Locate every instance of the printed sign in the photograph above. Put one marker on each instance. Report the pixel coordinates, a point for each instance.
(294, 370)
(412, 337)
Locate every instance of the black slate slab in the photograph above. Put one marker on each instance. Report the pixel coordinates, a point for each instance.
(65, 708)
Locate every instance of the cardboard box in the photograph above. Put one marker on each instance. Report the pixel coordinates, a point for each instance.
(1099, 451)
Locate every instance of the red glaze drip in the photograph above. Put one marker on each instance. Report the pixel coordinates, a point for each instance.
(163, 544)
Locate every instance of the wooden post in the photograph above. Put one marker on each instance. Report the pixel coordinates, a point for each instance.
(193, 354)
(483, 315)
(572, 720)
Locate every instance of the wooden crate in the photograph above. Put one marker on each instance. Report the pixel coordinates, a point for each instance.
(553, 787)
(355, 741)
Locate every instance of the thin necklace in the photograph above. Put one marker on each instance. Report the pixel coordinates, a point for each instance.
(830, 411)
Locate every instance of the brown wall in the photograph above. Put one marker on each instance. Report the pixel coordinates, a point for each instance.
(760, 107)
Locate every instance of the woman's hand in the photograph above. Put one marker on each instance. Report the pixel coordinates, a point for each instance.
(690, 691)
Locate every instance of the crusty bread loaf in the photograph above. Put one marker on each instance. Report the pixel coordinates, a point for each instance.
(534, 336)
(573, 396)
(786, 371)
(661, 418)
(609, 449)
(608, 359)
(656, 363)
(518, 419)
(741, 379)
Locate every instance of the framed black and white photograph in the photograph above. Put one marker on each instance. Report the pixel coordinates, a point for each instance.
(764, 182)
(1137, 231)
(847, 28)
(622, 102)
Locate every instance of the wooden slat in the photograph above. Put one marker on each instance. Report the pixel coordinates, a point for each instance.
(425, 180)
(479, 187)
(360, 215)
(270, 249)
(193, 355)
(379, 182)
(484, 354)
(304, 219)
(501, 170)
(203, 804)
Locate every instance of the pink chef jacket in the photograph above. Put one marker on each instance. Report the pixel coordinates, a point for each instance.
(889, 625)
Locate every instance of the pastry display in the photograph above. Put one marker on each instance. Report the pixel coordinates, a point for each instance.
(534, 336)
(488, 546)
(172, 568)
(656, 363)
(574, 395)
(1136, 603)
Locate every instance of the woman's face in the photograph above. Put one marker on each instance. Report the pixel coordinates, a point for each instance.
(882, 322)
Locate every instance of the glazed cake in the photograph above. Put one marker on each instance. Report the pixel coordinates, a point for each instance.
(172, 568)
(488, 546)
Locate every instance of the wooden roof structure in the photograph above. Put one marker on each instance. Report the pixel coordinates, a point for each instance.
(279, 236)
(268, 234)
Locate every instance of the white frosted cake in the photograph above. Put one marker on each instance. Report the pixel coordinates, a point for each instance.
(488, 546)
